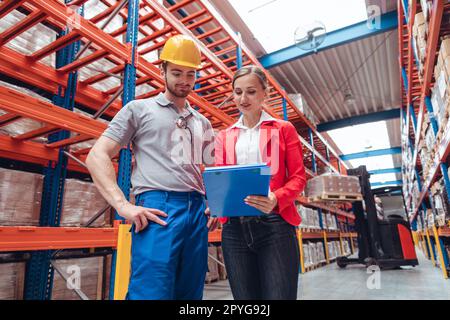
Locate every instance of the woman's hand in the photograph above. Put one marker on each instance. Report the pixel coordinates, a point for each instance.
(264, 204)
(213, 223)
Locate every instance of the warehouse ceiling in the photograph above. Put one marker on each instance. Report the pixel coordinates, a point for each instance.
(274, 36)
(368, 68)
(323, 78)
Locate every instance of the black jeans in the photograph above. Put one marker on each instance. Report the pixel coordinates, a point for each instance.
(262, 258)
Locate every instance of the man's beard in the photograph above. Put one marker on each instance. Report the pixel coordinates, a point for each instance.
(174, 92)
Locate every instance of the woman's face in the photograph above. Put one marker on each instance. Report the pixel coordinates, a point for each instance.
(249, 94)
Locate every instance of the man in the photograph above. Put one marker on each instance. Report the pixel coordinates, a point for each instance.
(170, 227)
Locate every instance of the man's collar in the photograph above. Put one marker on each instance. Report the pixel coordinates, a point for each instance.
(162, 100)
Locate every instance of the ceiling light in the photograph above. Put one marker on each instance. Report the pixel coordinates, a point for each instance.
(349, 99)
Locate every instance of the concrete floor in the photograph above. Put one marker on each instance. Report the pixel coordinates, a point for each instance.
(423, 282)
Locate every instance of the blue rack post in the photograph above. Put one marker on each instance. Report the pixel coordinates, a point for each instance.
(313, 156)
(239, 61)
(413, 117)
(129, 83)
(39, 275)
(285, 114)
(314, 169)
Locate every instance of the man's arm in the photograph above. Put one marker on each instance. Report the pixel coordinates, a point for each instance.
(101, 168)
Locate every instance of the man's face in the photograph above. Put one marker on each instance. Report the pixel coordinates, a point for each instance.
(179, 80)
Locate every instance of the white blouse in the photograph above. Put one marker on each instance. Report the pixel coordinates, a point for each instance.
(247, 145)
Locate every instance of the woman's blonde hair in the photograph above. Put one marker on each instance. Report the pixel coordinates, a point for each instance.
(257, 71)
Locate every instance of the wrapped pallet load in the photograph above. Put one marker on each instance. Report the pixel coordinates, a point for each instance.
(82, 201)
(307, 260)
(12, 277)
(222, 270)
(334, 187)
(213, 268)
(313, 253)
(320, 252)
(20, 197)
(90, 281)
(420, 29)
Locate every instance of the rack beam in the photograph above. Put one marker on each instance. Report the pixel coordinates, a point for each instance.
(48, 238)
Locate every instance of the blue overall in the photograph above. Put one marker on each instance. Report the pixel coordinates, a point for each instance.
(170, 263)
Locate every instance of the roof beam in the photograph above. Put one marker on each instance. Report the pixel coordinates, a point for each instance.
(373, 153)
(385, 171)
(358, 31)
(389, 183)
(363, 119)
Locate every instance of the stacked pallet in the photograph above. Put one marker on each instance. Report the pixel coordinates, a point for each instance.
(329, 222)
(20, 205)
(222, 270)
(347, 247)
(216, 271)
(82, 201)
(420, 30)
(429, 218)
(427, 146)
(12, 277)
(440, 97)
(91, 280)
(313, 254)
(310, 218)
(213, 268)
(20, 197)
(441, 203)
(333, 187)
(333, 250)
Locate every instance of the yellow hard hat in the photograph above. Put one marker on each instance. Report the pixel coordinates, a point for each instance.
(183, 51)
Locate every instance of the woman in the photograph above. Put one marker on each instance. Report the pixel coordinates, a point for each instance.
(261, 253)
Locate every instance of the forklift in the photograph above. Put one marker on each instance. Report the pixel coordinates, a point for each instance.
(386, 243)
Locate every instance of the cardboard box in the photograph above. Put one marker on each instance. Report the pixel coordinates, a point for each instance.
(12, 277)
(222, 270)
(307, 259)
(332, 184)
(419, 19)
(91, 278)
(444, 52)
(213, 268)
(82, 201)
(20, 200)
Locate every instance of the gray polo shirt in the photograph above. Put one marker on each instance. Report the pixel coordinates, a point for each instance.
(167, 158)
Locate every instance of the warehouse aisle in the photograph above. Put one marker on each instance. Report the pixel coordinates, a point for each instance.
(331, 283)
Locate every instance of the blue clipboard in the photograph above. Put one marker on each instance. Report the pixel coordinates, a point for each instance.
(227, 187)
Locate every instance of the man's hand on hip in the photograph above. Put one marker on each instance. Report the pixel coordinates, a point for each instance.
(140, 216)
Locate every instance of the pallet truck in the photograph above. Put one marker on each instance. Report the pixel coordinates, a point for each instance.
(386, 243)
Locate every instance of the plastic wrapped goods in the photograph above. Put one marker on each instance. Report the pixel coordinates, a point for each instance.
(20, 197)
(12, 277)
(320, 252)
(90, 271)
(334, 187)
(222, 271)
(213, 267)
(82, 201)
